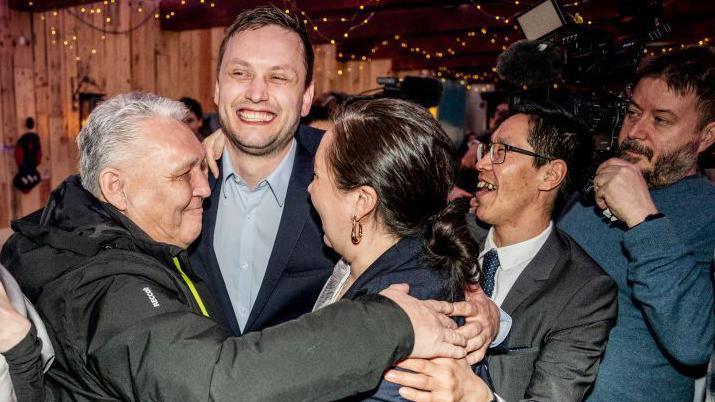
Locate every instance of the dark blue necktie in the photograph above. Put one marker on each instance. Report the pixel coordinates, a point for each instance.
(490, 263)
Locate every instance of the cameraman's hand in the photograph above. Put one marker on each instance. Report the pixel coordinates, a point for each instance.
(213, 147)
(620, 187)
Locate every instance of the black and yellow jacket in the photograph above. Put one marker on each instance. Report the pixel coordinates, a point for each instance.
(128, 321)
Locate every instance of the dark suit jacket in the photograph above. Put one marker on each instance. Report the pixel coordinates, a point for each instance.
(299, 265)
(563, 306)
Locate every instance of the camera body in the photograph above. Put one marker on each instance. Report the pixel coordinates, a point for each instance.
(584, 70)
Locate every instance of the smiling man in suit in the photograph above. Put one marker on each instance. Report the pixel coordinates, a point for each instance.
(261, 250)
(563, 305)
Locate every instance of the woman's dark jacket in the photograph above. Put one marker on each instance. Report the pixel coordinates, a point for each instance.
(406, 262)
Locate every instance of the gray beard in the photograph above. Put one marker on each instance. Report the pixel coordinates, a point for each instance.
(668, 168)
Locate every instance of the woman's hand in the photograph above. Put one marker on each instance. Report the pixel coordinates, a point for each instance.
(14, 326)
(439, 379)
(213, 147)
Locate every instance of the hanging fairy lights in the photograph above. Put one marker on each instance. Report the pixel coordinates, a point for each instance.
(103, 17)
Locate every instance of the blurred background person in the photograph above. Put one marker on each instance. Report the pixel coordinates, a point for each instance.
(322, 109)
(466, 183)
(195, 117)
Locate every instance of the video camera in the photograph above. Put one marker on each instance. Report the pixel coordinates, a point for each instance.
(421, 90)
(582, 69)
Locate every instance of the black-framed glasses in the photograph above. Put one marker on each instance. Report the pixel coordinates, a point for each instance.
(497, 152)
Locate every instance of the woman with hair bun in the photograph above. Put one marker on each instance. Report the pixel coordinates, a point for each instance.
(382, 177)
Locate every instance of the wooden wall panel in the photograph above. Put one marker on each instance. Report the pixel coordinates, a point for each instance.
(21, 28)
(39, 78)
(8, 126)
(41, 89)
(143, 42)
(167, 61)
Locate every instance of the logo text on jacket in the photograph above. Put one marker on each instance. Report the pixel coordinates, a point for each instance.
(151, 296)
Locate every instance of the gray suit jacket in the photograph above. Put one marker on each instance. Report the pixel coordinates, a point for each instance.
(563, 307)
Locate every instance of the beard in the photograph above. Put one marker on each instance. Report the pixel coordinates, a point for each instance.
(274, 146)
(667, 168)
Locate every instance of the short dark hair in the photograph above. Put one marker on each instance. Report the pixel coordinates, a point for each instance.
(687, 70)
(398, 148)
(555, 133)
(193, 105)
(259, 17)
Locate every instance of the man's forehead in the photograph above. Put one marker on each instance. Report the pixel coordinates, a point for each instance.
(513, 130)
(268, 38)
(654, 93)
(169, 136)
(270, 48)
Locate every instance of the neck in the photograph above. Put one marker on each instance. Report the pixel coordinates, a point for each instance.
(254, 168)
(373, 245)
(517, 232)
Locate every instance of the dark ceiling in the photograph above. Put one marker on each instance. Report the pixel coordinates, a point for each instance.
(451, 35)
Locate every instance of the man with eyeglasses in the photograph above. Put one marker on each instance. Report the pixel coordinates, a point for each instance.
(562, 304)
(660, 248)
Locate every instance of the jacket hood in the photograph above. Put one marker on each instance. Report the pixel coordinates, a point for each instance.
(73, 227)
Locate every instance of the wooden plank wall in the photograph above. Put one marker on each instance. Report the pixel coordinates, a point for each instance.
(43, 57)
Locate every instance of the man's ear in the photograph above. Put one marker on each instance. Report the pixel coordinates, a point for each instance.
(307, 100)
(707, 137)
(216, 92)
(365, 201)
(552, 175)
(111, 186)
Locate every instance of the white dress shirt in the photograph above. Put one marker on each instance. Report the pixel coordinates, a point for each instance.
(247, 224)
(512, 260)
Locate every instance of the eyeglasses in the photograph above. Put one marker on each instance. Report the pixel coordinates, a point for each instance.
(497, 152)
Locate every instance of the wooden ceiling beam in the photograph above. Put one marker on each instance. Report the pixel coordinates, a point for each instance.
(384, 21)
(45, 5)
(476, 62)
(437, 46)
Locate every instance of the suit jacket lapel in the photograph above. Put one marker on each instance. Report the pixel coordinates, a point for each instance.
(534, 276)
(296, 209)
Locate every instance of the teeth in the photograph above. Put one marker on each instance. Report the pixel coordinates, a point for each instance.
(486, 185)
(250, 115)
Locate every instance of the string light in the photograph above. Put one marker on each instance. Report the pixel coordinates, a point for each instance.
(462, 41)
(495, 17)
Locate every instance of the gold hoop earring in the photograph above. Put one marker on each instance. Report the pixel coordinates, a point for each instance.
(356, 235)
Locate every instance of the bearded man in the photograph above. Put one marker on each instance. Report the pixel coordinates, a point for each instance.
(659, 249)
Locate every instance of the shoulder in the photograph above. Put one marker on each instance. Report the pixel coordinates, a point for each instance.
(126, 278)
(580, 273)
(577, 212)
(309, 137)
(689, 205)
(426, 282)
(110, 293)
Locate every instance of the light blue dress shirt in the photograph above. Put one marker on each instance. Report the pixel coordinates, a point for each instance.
(246, 227)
